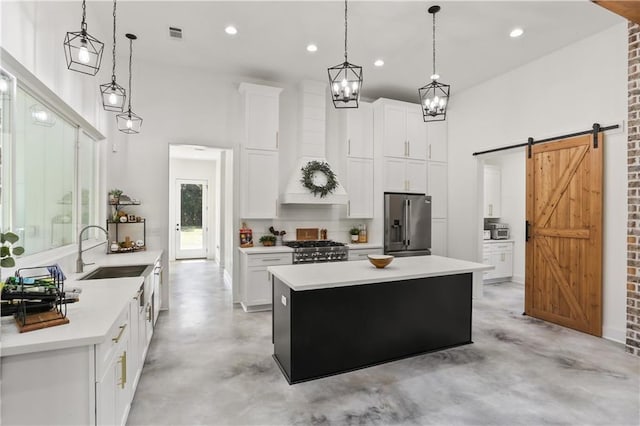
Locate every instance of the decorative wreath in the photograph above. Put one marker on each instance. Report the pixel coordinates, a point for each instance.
(307, 180)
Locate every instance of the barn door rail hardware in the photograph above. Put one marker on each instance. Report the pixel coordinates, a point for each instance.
(595, 129)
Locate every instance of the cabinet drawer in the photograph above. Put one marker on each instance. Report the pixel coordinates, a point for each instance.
(269, 259)
(497, 247)
(361, 254)
(118, 335)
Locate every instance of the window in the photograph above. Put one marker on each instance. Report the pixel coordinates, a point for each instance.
(49, 175)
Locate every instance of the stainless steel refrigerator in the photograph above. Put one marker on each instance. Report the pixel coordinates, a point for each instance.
(407, 224)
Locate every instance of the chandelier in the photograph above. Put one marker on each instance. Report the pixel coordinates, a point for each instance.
(434, 97)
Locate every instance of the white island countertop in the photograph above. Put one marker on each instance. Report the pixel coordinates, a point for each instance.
(90, 319)
(341, 274)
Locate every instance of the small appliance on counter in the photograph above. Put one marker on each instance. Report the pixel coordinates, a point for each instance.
(499, 231)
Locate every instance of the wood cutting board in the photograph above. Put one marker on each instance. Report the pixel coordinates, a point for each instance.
(307, 234)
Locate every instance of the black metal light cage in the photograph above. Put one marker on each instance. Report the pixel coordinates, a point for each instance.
(346, 84)
(129, 122)
(434, 99)
(113, 95)
(83, 52)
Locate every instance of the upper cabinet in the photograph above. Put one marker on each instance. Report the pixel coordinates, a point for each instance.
(437, 141)
(259, 154)
(492, 191)
(261, 116)
(404, 133)
(359, 131)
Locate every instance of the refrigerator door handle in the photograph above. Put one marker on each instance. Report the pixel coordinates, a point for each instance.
(407, 224)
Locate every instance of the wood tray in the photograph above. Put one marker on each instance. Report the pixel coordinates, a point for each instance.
(42, 320)
(307, 233)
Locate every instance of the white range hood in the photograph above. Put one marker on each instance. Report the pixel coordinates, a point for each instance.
(311, 147)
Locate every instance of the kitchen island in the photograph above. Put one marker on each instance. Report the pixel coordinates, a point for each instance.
(332, 318)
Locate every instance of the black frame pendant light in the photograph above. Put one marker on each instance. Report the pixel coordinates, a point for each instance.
(113, 95)
(434, 97)
(83, 51)
(345, 79)
(128, 122)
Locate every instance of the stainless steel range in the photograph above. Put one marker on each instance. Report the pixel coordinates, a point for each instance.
(317, 251)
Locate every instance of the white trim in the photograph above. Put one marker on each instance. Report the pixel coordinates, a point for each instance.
(617, 335)
(519, 279)
(227, 279)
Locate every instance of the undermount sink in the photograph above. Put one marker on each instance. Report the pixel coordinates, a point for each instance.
(105, 272)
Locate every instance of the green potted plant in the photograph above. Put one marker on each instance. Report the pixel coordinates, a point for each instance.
(268, 240)
(355, 232)
(8, 249)
(114, 195)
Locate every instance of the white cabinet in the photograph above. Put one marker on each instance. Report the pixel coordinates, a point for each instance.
(492, 191)
(439, 237)
(362, 253)
(359, 131)
(359, 186)
(113, 389)
(437, 188)
(259, 184)
(261, 116)
(255, 280)
(259, 152)
(404, 133)
(157, 299)
(437, 138)
(500, 255)
(405, 175)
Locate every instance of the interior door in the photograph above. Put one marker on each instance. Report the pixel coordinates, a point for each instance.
(191, 219)
(564, 240)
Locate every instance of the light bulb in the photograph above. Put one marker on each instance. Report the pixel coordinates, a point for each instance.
(436, 100)
(129, 124)
(113, 99)
(344, 82)
(4, 86)
(442, 102)
(355, 86)
(336, 88)
(83, 52)
(346, 92)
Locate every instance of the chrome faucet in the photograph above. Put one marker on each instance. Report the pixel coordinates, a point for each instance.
(79, 262)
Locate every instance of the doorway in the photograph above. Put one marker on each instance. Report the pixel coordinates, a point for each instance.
(191, 216)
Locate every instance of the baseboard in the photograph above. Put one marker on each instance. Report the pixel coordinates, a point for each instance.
(518, 279)
(614, 334)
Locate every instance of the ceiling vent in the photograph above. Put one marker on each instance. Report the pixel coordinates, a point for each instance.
(175, 32)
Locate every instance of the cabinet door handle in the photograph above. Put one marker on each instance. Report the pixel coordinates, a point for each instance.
(405, 148)
(490, 209)
(349, 208)
(272, 259)
(349, 146)
(502, 257)
(277, 139)
(276, 201)
(429, 151)
(123, 371)
(408, 148)
(119, 336)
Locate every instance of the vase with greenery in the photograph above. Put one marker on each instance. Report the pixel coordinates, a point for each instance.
(355, 232)
(114, 195)
(8, 249)
(268, 240)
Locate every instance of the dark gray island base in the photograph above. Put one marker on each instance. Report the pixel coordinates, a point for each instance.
(327, 331)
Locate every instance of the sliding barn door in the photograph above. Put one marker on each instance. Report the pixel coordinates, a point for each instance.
(564, 246)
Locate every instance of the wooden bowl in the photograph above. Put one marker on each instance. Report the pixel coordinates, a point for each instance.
(380, 260)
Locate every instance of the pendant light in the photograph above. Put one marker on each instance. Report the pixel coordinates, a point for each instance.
(113, 95)
(434, 97)
(345, 79)
(83, 51)
(128, 122)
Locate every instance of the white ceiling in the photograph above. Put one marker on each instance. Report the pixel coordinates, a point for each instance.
(473, 42)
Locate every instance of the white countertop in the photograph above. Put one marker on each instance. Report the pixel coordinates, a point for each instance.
(101, 301)
(341, 274)
(363, 246)
(497, 241)
(260, 249)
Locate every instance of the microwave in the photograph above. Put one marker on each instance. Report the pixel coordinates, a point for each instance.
(499, 231)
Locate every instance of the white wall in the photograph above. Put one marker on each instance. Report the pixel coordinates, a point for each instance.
(181, 168)
(560, 93)
(512, 164)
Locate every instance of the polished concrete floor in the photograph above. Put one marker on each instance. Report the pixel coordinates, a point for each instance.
(210, 363)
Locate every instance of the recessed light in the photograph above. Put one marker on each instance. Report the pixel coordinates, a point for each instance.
(312, 48)
(378, 63)
(516, 32)
(231, 30)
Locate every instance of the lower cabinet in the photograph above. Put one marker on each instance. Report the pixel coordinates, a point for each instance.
(255, 280)
(362, 253)
(499, 255)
